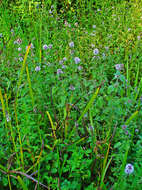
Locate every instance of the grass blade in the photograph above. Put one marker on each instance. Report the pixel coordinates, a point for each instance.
(51, 122)
(132, 117)
(22, 183)
(89, 104)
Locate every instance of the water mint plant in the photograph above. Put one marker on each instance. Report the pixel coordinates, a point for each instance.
(70, 95)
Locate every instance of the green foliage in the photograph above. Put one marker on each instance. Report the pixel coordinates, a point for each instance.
(70, 113)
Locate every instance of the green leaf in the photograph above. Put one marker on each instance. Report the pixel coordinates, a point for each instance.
(22, 183)
(89, 104)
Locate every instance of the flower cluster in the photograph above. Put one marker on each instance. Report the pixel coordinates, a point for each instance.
(129, 169)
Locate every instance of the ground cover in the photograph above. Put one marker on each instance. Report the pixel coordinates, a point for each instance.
(70, 95)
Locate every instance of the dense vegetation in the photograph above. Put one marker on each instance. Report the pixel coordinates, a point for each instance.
(71, 95)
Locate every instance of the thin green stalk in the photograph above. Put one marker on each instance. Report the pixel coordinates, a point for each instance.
(131, 117)
(128, 78)
(22, 71)
(52, 125)
(9, 182)
(3, 109)
(11, 129)
(19, 135)
(15, 106)
(30, 86)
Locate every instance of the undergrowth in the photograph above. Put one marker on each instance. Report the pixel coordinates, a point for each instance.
(70, 95)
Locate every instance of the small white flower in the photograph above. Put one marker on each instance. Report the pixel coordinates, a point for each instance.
(52, 6)
(1, 35)
(66, 23)
(77, 60)
(76, 24)
(7, 117)
(21, 59)
(107, 48)
(96, 51)
(129, 29)
(32, 46)
(138, 37)
(92, 34)
(104, 55)
(129, 169)
(94, 26)
(71, 44)
(19, 48)
(37, 68)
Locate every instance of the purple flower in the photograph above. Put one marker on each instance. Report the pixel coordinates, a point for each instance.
(50, 46)
(71, 44)
(124, 127)
(59, 71)
(61, 62)
(79, 68)
(72, 87)
(119, 67)
(63, 66)
(77, 60)
(129, 169)
(37, 68)
(45, 47)
(96, 51)
(64, 59)
(126, 132)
